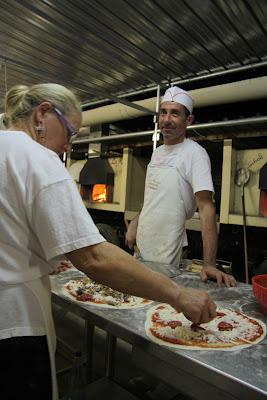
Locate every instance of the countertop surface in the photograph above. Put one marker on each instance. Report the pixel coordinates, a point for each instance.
(236, 371)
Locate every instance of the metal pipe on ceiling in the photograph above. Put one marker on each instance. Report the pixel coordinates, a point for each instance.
(249, 89)
(178, 82)
(225, 72)
(208, 125)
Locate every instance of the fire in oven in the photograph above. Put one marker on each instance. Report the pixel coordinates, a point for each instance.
(97, 181)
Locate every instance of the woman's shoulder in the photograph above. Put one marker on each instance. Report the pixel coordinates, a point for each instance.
(33, 156)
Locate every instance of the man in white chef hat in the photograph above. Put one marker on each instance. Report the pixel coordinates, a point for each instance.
(179, 96)
(178, 181)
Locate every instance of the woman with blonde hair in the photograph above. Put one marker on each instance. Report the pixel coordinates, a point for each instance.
(41, 120)
(42, 220)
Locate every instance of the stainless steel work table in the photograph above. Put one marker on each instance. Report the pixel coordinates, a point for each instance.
(240, 374)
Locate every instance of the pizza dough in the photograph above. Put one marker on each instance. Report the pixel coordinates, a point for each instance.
(230, 330)
(86, 291)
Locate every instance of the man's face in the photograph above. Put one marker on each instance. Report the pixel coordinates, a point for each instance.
(173, 121)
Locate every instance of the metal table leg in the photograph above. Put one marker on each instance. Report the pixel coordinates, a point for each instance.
(89, 346)
(110, 355)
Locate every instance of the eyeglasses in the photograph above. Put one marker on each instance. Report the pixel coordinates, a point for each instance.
(69, 128)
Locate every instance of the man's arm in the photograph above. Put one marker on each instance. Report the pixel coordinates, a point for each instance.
(209, 234)
(130, 237)
(208, 227)
(110, 265)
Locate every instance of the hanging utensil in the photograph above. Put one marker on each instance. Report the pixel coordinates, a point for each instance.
(241, 178)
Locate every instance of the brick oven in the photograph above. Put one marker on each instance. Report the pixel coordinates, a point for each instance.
(113, 183)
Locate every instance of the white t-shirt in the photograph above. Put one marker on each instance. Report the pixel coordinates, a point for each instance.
(42, 217)
(174, 174)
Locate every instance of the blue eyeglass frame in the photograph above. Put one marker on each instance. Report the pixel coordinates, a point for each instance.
(70, 129)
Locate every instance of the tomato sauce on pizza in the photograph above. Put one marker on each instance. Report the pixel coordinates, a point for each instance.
(229, 330)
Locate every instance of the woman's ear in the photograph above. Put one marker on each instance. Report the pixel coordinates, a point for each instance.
(41, 110)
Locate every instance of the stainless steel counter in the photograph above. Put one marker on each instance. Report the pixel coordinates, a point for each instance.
(241, 374)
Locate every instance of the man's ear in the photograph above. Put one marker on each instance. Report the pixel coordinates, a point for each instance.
(41, 110)
(189, 120)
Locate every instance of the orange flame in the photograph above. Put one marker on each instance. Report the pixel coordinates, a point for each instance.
(100, 193)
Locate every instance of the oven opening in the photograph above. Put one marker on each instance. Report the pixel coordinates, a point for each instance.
(263, 190)
(100, 193)
(97, 181)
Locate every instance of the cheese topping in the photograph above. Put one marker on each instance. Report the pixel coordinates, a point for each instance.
(242, 327)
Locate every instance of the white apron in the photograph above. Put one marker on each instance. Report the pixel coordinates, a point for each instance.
(161, 231)
(43, 295)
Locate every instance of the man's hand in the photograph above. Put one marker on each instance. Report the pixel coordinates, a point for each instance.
(221, 277)
(196, 305)
(130, 237)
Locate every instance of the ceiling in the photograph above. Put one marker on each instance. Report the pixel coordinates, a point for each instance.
(107, 48)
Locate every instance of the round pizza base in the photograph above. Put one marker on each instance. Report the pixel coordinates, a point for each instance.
(102, 305)
(235, 347)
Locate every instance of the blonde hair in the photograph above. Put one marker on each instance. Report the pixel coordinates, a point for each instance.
(20, 100)
(3, 123)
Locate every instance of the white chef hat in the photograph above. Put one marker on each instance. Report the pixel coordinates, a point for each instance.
(180, 96)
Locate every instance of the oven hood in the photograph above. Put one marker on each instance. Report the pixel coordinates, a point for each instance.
(96, 170)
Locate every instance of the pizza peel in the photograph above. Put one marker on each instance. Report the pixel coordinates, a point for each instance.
(242, 176)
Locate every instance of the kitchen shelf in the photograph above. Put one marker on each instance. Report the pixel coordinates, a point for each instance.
(105, 388)
(236, 219)
(104, 206)
(193, 224)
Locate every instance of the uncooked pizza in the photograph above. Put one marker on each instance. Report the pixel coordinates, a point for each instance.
(85, 290)
(229, 330)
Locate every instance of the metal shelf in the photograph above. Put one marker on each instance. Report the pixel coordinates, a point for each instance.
(104, 388)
